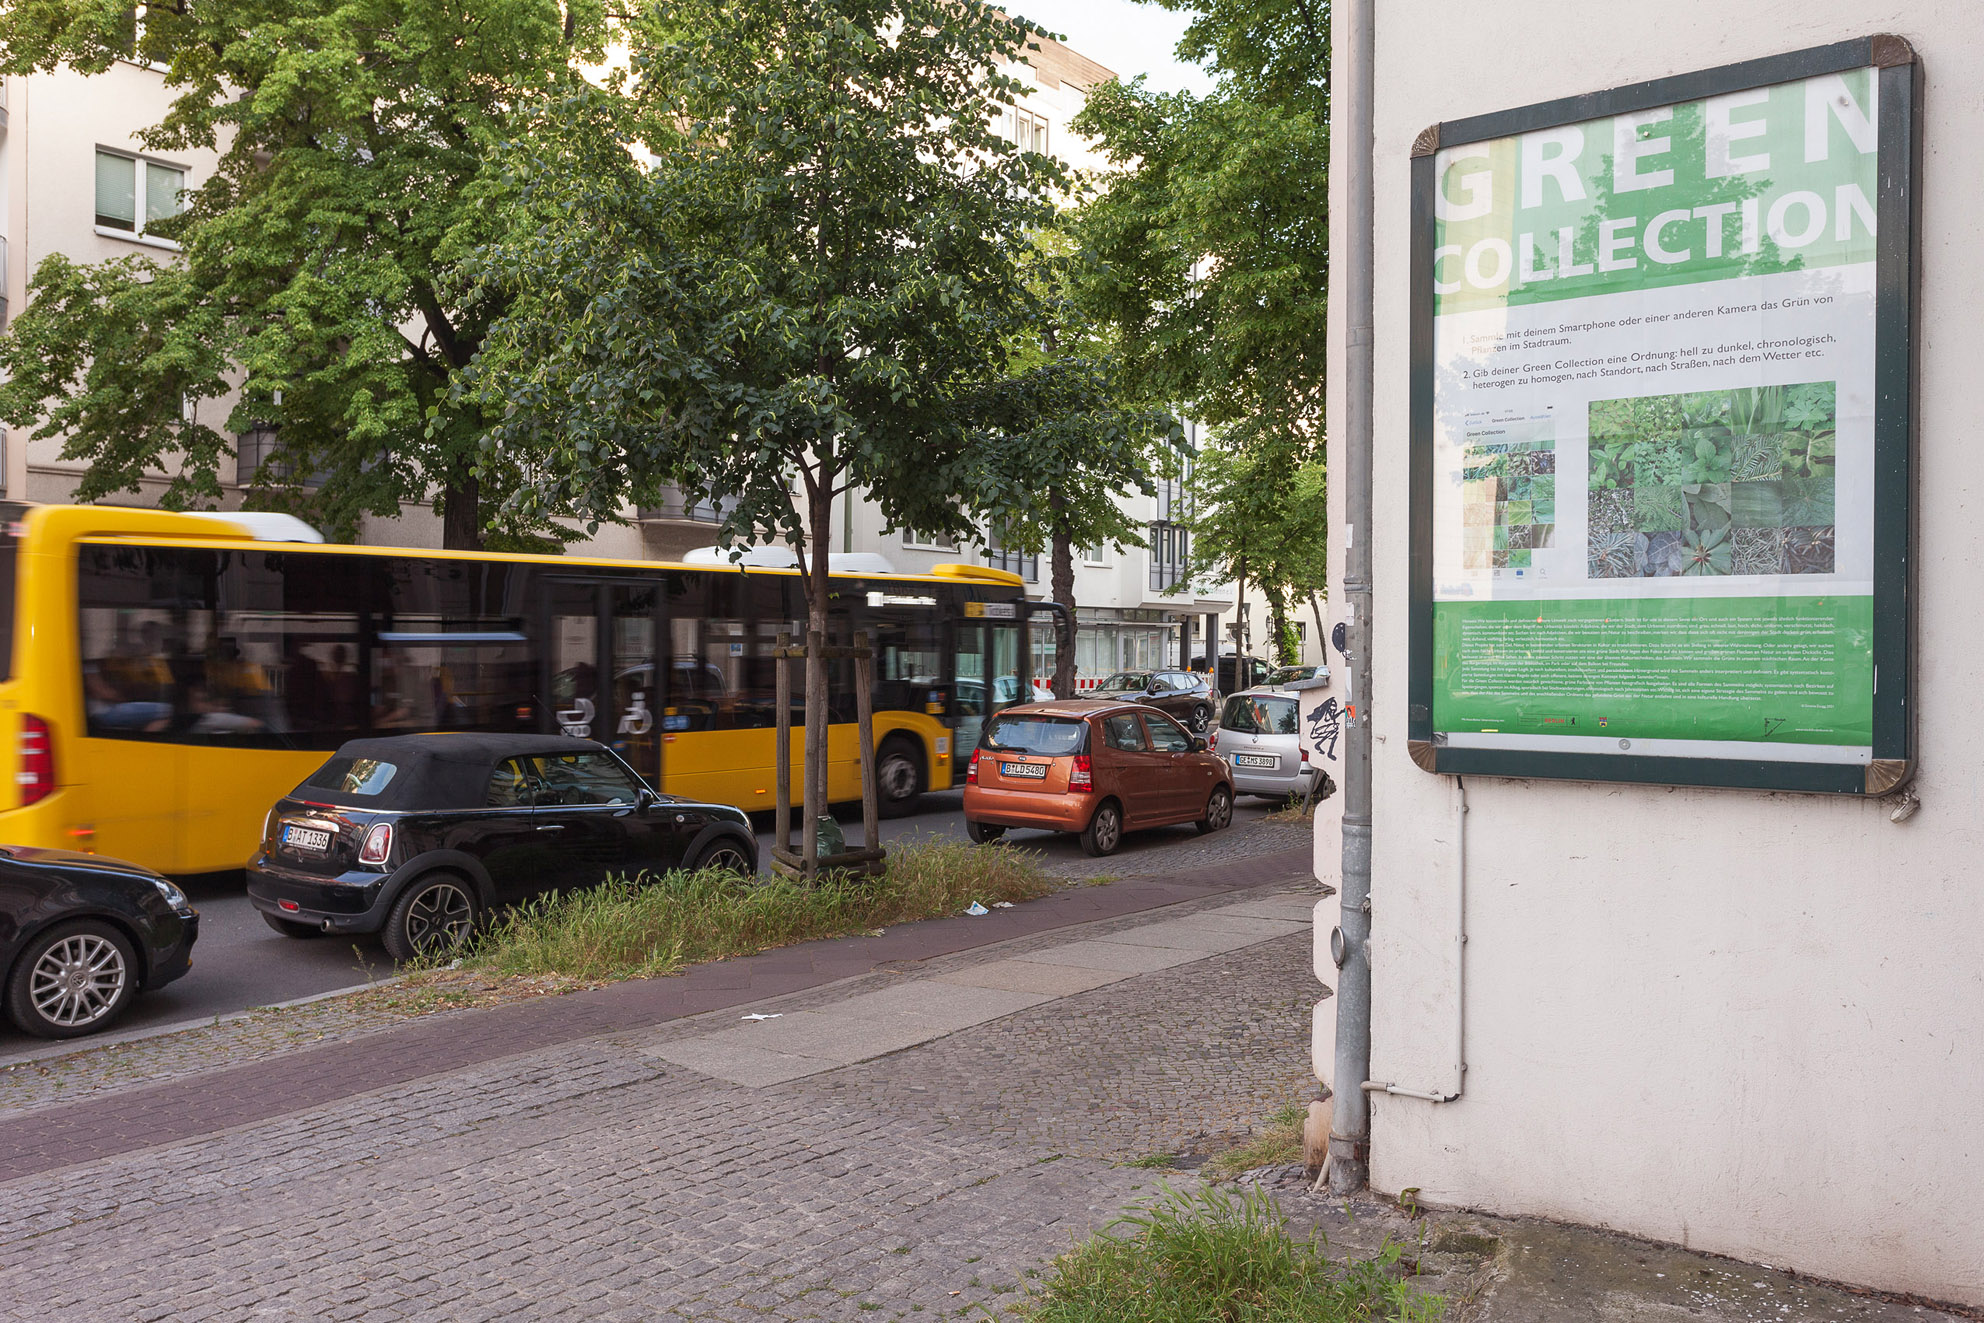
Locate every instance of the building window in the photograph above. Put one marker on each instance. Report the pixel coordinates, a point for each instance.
(1169, 547)
(1013, 562)
(132, 194)
(928, 541)
(1094, 555)
(1029, 131)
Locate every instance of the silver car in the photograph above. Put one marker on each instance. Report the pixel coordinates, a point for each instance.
(1260, 738)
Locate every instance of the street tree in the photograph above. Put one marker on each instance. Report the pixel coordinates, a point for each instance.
(1062, 440)
(779, 260)
(314, 274)
(1211, 264)
(1258, 516)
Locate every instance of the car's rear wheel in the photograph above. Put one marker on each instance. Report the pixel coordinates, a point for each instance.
(1219, 811)
(899, 779)
(1201, 718)
(725, 856)
(983, 832)
(72, 980)
(1104, 831)
(432, 917)
(291, 928)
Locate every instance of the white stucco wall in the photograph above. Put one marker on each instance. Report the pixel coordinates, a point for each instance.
(1746, 1023)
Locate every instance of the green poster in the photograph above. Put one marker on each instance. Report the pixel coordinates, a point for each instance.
(1653, 435)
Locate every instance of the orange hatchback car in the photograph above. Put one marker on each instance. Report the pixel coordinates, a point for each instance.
(1098, 768)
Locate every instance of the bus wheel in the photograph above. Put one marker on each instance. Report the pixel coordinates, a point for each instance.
(898, 778)
(291, 928)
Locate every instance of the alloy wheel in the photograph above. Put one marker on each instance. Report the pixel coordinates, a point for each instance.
(78, 981)
(726, 859)
(439, 918)
(1108, 828)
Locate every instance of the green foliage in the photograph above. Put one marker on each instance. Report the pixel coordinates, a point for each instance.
(652, 925)
(1278, 1143)
(1213, 1256)
(1705, 552)
(356, 145)
(1808, 501)
(1756, 504)
(1060, 438)
(1613, 463)
(815, 280)
(1657, 507)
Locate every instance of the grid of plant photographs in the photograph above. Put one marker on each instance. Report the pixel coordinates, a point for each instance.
(1508, 503)
(1715, 482)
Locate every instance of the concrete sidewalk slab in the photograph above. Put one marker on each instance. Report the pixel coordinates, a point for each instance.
(1205, 932)
(1045, 977)
(1119, 957)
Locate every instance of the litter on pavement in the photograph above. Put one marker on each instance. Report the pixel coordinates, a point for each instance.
(977, 909)
(754, 1015)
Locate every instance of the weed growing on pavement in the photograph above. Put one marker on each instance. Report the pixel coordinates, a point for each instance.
(1153, 1161)
(654, 924)
(1276, 1146)
(1210, 1256)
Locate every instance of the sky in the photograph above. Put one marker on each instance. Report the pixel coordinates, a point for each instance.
(1128, 37)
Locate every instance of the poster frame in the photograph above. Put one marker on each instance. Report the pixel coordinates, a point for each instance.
(1897, 255)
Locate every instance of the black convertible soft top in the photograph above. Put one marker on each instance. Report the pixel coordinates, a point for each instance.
(440, 770)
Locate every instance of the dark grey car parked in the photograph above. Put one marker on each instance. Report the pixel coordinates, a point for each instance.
(1183, 694)
(416, 837)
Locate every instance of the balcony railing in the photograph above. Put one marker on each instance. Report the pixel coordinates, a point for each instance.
(676, 507)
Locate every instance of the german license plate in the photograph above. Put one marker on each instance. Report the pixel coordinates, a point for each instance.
(1255, 760)
(1037, 771)
(306, 838)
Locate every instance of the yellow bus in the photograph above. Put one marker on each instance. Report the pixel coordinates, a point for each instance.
(168, 676)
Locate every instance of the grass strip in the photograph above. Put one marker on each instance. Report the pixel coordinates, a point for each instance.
(1213, 1256)
(653, 924)
(1279, 1144)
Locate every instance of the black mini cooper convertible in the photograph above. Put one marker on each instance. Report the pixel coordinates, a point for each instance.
(415, 837)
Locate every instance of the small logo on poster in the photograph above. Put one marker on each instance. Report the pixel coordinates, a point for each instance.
(1602, 721)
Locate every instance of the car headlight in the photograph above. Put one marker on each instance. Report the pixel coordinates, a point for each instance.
(173, 895)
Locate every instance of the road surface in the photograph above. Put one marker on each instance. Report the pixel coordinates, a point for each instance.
(239, 962)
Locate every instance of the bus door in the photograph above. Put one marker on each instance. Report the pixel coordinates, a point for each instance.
(985, 665)
(600, 666)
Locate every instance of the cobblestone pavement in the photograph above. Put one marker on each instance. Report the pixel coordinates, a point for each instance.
(592, 1180)
(94, 1069)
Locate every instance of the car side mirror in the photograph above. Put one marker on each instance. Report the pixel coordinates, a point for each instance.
(1198, 744)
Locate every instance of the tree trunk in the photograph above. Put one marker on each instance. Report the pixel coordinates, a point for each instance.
(1239, 627)
(461, 512)
(819, 539)
(1278, 625)
(1322, 632)
(1064, 592)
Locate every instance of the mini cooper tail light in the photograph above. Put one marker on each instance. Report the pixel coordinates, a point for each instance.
(1081, 779)
(971, 770)
(37, 775)
(378, 844)
(269, 826)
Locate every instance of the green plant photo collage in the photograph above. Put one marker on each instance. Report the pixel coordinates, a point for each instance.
(1712, 483)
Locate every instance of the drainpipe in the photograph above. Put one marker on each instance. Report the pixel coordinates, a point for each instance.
(1353, 54)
